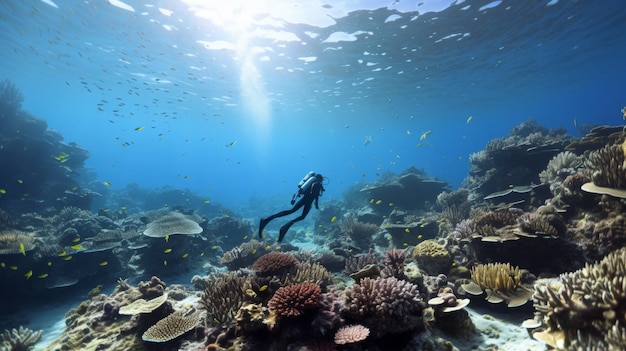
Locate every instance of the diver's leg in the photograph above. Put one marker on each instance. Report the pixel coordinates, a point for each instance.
(266, 220)
(285, 228)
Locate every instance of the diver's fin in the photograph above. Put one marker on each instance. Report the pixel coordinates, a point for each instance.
(283, 231)
(262, 224)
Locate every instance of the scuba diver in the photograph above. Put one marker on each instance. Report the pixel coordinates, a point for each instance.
(310, 188)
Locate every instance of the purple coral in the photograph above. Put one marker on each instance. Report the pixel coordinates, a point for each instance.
(385, 305)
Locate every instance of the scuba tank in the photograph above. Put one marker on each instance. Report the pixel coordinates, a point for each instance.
(303, 185)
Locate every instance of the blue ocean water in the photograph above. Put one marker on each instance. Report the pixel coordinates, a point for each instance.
(236, 101)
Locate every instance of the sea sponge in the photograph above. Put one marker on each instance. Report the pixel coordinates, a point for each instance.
(172, 326)
(501, 282)
(274, 263)
(171, 223)
(351, 334)
(294, 300)
(582, 308)
(385, 305)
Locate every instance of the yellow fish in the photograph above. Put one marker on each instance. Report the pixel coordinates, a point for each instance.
(62, 253)
(379, 202)
(405, 244)
(201, 253)
(334, 219)
(268, 247)
(425, 134)
(139, 129)
(28, 274)
(420, 236)
(253, 251)
(3, 191)
(13, 268)
(263, 288)
(20, 181)
(67, 258)
(167, 250)
(75, 240)
(76, 247)
(391, 204)
(167, 237)
(123, 208)
(469, 119)
(232, 143)
(103, 263)
(406, 230)
(207, 201)
(2, 264)
(164, 262)
(22, 249)
(245, 237)
(371, 201)
(49, 263)
(214, 247)
(106, 183)
(277, 248)
(185, 255)
(43, 275)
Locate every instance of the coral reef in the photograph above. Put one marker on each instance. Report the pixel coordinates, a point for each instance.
(222, 298)
(384, 305)
(294, 300)
(171, 223)
(501, 282)
(584, 309)
(351, 334)
(274, 263)
(432, 257)
(360, 233)
(172, 326)
(21, 339)
(608, 166)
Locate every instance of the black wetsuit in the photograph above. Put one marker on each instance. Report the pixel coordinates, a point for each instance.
(313, 193)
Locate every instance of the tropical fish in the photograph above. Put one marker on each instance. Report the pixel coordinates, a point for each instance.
(167, 250)
(371, 201)
(28, 274)
(103, 263)
(368, 140)
(334, 219)
(214, 247)
(13, 268)
(391, 204)
(2, 264)
(20, 181)
(62, 253)
(139, 129)
(185, 255)
(469, 119)
(75, 240)
(253, 251)
(49, 263)
(407, 230)
(67, 258)
(379, 202)
(167, 237)
(263, 288)
(3, 191)
(277, 248)
(232, 143)
(22, 249)
(164, 262)
(201, 253)
(42, 275)
(76, 247)
(420, 236)
(106, 183)
(207, 201)
(408, 132)
(425, 134)
(245, 237)
(405, 244)
(268, 247)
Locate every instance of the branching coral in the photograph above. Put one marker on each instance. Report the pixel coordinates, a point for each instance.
(385, 305)
(15, 241)
(394, 264)
(310, 272)
(560, 166)
(22, 339)
(294, 300)
(585, 306)
(222, 298)
(608, 165)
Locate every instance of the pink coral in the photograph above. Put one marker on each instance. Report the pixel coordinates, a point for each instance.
(351, 334)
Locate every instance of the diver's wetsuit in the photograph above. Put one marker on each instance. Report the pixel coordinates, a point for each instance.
(313, 193)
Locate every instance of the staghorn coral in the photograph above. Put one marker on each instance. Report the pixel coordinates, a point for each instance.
(22, 339)
(501, 282)
(586, 307)
(294, 300)
(13, 241)
(385, 305)
(171, 223)
(274, 263)
(172, 326)
(351, 334)
(222, 298)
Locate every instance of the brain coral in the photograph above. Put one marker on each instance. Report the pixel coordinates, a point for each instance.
(585, 309)
(171, 327)
(274, 263)
(294, 300)
(171, 223)
(384, 305)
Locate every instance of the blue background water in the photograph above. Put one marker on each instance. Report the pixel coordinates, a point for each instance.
(238, 102)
